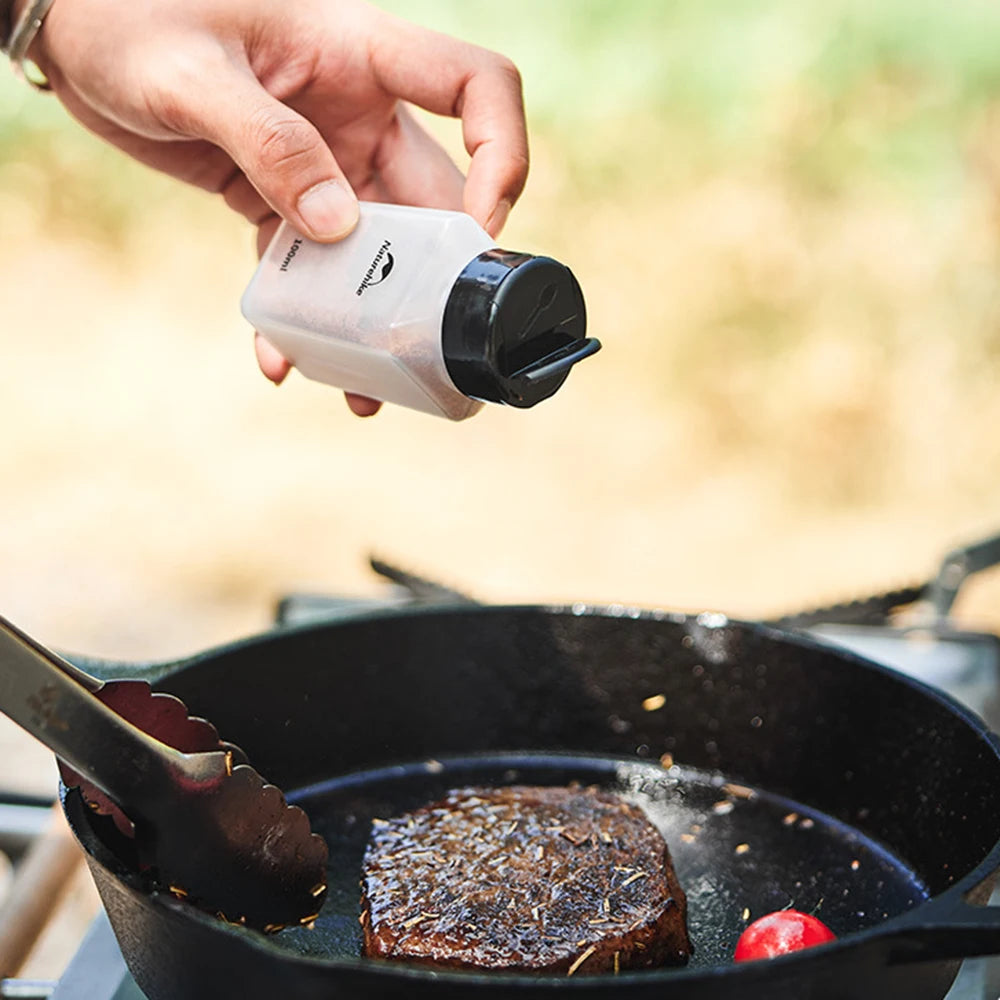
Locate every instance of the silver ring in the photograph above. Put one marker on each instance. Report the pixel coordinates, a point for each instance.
(24, 33)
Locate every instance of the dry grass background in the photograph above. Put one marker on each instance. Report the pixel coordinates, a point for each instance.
(786, 220)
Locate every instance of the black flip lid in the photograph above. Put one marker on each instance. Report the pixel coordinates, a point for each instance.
(513, 327)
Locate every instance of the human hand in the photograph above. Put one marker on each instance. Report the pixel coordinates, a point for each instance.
(291, 109)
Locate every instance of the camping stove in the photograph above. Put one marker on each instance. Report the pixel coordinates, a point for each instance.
(908, 630)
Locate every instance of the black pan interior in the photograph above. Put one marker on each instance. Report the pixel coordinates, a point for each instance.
(739, 853)
(864, 784)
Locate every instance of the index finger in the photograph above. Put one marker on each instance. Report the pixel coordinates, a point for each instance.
(449, 77)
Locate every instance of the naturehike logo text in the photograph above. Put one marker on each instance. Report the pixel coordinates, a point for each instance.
(292, 251)
(383, 272)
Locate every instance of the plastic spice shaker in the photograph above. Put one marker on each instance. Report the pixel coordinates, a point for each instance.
(420, 307)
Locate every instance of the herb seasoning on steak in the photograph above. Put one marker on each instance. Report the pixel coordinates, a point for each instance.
(523, 879)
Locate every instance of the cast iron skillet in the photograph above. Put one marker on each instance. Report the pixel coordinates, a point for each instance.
(877, 800)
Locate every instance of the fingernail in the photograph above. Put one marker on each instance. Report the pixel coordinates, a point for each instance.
(362, 406)
(328, 210)
(271, 363)
(499, 217)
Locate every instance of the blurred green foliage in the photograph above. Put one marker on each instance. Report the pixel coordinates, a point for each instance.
(823, 91)
(65, 178)
(889, 82)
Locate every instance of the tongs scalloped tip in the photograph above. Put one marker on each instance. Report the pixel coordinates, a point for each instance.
(209, 826)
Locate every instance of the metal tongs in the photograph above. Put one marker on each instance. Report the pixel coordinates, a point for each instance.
(206, 825)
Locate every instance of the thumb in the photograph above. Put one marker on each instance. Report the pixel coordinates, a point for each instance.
(282, 154)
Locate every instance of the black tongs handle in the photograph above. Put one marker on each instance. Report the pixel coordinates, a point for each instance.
(56, 702)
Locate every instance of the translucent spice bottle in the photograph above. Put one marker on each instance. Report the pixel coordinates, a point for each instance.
(420, 307)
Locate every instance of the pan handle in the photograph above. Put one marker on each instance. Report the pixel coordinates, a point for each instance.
(947, 928)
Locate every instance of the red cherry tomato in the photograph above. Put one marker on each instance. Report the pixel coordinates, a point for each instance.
(779, 933)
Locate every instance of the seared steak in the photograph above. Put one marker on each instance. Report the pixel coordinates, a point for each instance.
(532, 879)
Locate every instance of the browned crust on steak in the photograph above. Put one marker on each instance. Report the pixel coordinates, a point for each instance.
(523, 878)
